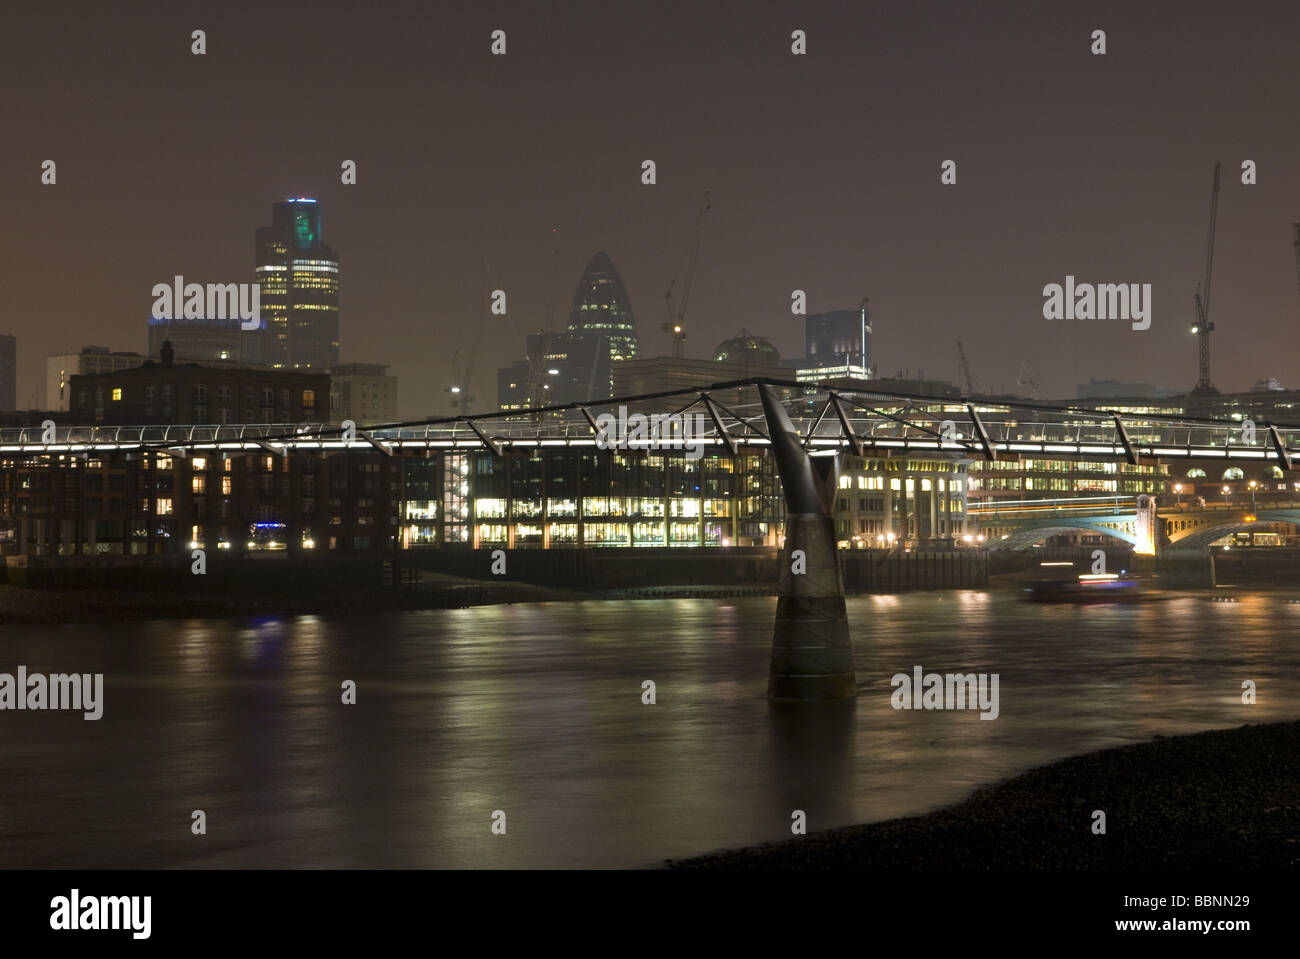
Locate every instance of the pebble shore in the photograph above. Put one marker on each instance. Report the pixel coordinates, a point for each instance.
(1220, 800)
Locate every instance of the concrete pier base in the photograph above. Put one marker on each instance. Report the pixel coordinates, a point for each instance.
(1185, 569)
(812, 656)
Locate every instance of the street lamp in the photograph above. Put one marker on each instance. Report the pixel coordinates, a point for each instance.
(1227, 495)
(1178, 492)
(1253, 485)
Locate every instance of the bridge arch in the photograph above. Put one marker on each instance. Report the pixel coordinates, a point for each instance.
(1027, 536)
(1203, 536)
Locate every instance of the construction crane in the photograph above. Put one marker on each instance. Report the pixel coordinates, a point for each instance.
(1024, 378)
(459, 390)
(675, 326)
(1295, 241)
(462, 366)
(965, 369)
(1203, 326)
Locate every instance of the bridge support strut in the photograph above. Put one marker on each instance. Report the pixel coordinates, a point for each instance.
(812, 654)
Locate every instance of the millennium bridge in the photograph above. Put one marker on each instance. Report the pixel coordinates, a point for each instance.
(826, 421)
(805, 426)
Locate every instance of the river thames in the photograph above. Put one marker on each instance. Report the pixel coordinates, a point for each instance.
(535, 710)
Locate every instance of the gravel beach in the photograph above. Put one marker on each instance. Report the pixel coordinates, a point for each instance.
(1225, 799)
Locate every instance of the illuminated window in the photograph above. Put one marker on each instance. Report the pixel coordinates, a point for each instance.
(200, 463)
(117, 394)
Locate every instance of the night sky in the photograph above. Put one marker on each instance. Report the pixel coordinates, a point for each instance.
(824, 171)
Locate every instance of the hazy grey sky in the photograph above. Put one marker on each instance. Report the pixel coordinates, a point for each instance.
(824, 171)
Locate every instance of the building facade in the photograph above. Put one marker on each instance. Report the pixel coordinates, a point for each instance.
(8, 373)
(166, 392)
(839, 339)
(299, 279)
(361, 502)
(60, 368)
(364, 393)
(208, 341)
(663, 374)
(601, 307)
(156, 503)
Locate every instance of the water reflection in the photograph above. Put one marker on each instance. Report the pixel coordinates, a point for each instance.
(537, 710)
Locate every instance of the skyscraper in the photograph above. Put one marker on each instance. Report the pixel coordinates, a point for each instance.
(299, 278)
(601, 307)
(8, 373)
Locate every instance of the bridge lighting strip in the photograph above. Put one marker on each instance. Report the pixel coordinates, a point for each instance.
(469, 442)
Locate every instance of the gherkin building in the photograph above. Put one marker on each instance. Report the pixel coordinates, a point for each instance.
(601, 307)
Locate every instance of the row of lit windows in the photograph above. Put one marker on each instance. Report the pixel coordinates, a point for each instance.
(878, 482)
(611, 534)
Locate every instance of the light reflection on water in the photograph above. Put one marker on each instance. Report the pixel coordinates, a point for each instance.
(536, 709)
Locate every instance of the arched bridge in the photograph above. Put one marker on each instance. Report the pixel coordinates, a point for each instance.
(1183, 530)
(1121, 526)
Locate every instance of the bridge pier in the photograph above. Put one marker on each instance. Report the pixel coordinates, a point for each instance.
(812, 653)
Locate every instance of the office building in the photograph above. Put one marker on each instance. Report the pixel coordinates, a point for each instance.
(8, 373)
(299, 279)
(60, 368)
(601, 307)
(208, 341)
(364, 393)
(839, 340)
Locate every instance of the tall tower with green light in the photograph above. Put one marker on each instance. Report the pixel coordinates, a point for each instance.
(299, 278)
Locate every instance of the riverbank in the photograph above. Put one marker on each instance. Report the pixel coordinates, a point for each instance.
(19, 606)
(1226, 799)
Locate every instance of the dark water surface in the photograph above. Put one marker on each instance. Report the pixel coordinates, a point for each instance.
(536, 710)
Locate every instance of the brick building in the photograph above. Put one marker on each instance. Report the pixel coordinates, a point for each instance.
(156, 501)
(164, 392)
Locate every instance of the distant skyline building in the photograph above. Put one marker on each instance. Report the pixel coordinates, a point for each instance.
(364, 393)
(601, 306)
(662, 374)
(561, 368)
(840, 340)
(61, 367)
(747, 348)
(1115, 389)
(208, 340)
(8, 373)
(299, 278)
